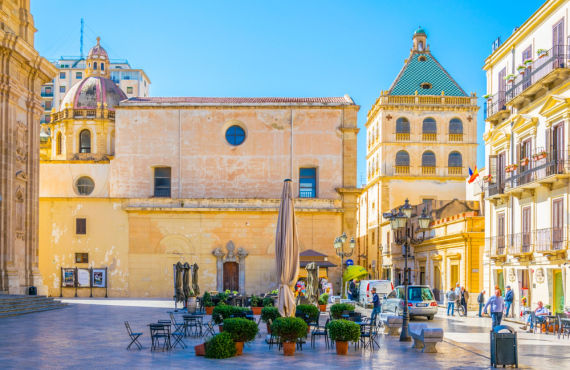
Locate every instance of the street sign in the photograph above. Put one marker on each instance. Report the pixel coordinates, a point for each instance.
(349, 262)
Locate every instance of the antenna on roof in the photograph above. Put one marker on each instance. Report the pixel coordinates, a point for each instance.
(81, 40)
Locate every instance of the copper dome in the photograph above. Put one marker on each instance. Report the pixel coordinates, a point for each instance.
(92, 90)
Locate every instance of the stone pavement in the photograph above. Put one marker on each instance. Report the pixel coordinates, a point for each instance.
(90, 333)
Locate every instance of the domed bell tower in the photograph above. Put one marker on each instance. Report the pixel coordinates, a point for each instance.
(420, 40)
(97, 62)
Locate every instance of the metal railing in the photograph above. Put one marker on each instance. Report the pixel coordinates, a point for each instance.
(538, 166)
(555, 58)
(550, 239)
(521, 243)
(496, 103)
(498, 245)
(402, 136)
(455, 137)
(162, 193)
(306, 194)
(46, 94)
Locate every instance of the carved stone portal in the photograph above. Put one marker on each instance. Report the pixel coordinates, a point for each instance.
(230, 256)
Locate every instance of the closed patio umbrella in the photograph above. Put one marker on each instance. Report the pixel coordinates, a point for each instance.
(195, 286)
(286, 252)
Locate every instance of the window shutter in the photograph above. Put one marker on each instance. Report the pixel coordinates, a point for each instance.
(493, 168)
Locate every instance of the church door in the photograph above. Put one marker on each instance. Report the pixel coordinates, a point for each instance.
(231, 276)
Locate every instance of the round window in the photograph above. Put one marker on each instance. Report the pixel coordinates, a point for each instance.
(84, 185)
(235, 135)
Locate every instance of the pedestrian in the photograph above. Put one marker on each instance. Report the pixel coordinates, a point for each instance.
(464, 299)
(376, 306)
(509, 298)
(497, 306)
(539, 314)
(481, 301)
(450, 301)
(350, 288)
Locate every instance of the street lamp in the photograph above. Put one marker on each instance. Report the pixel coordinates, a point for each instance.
(339, 249)
(403, 229)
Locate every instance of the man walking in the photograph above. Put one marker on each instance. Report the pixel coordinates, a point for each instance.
(481, 301)
(376, 306)
(497, 306)
(464, 299)
(509, 298)
(451, 301)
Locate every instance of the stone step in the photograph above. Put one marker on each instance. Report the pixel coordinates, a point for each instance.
(31, 310)
(11, 305)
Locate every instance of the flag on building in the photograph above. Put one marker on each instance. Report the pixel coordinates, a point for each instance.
(473, 175)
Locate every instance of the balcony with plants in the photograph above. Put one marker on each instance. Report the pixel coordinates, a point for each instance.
(496, 107)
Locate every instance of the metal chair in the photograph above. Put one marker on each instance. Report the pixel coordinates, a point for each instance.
(178, 336)
(134, 336)
(368, 335)
(178, 326)
(563, 326)
(158, 333)
(320, 331)
(209, 329)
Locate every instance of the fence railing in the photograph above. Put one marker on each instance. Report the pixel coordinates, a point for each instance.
(429, 136)
(402, 170)
(496, 103)
(454, 170)
(521, 243)
(456, 137)
(550, 239)
(428, 170)
(537, 166)
(498, 245)
(402, 136)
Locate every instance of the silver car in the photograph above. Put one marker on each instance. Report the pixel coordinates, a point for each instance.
(420, 301)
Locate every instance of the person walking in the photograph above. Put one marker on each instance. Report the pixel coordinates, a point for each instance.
(509, 298)
(376, 306)
(481, 301)
(451, 301)
(464, 299)
(351, 288)
(497, 306)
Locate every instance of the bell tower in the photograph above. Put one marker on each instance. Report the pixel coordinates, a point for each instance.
(97, 62)
(420, 40)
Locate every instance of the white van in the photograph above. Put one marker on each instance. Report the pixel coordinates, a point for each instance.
(383, 288)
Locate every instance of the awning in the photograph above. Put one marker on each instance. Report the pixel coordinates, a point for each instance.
(322, 273)
(321, 264)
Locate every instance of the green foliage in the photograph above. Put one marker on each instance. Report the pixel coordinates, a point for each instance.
(223, 297)
(241, 330)
(267, 302)
(312, 312)
(339, 308)
(221, 346)
(207, 300)
(269, 313)
(274, 291)
(344, 331)
(324, 298)
(256, 301)
(222, 312)
(289, 328)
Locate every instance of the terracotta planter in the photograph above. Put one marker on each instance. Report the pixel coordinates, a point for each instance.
(323, 307)
(239, 348)
(289, 348)
(200, 349)
(209, 310)
(268, 328)
(341, 347)
(308, 329)
(221, 328)
(256, 310)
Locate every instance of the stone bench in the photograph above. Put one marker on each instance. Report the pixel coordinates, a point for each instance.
(391, 323)
(425, 338)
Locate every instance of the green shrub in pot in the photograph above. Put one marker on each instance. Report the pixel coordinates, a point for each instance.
(343, 331)
(339, 308)
(289, 329)
(220, 346)
(310, 311)
(241, 330)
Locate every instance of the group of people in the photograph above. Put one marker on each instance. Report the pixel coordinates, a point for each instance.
(457, 297)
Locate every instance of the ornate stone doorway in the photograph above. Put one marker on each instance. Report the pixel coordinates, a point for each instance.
(230, 268)
(231, 276)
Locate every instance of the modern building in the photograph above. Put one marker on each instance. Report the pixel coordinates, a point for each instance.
(526, 149)
(139, 185)
(22, 71)
(421, 137)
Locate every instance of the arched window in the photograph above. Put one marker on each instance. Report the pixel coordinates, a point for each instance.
(102, 66)
(95, 65)
(428, 159)
(85, 141)
(455, 160)
(58, 144)
(429, 126)
(455, 126)
(402, 158)
(402, 126)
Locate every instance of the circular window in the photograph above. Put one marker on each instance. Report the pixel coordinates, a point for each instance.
(84, 185)
(235, 135)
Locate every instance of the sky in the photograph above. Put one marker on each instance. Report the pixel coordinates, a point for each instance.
(283, 48)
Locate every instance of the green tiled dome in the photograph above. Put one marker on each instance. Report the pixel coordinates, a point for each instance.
(420, 31)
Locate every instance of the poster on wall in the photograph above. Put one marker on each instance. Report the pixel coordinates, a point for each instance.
(99, 278)
(83, 278)
(69, 277)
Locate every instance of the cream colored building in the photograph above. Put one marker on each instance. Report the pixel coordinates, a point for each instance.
(421, 138)
(22, 71)
(155, 181)
(526, 148)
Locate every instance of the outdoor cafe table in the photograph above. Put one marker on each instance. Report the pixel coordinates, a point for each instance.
(193, 320)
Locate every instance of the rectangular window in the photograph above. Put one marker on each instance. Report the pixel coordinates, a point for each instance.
(80, 226)
(526, 229)
(48, 105)
(62, 89)
(558, 223)
(129, 90)
(62, 75)
(307, 183)
(79, 75)
(81, 257)
(162, 182)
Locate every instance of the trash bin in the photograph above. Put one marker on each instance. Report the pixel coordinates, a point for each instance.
(504, 346)
(32, 290)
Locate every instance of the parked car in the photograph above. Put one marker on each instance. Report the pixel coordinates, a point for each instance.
(383, 288)
(420, 301)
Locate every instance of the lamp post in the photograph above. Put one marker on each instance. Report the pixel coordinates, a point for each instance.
(339, 249)
(403, 229)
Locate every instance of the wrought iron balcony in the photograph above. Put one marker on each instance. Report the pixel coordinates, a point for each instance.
(551, 240)
(496, 105)
(521, 243)
(498, 245)
(542, 166)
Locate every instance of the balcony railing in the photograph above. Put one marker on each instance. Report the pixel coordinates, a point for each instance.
(428, 170)
(310, 193)
(402, 136)
(550, 240)
(496, 103)
(46, 94)
(456, 137)
(429, 136)
(498, 245)
(555, 58)
(521, 243)
(454, 170)
(538, 166)
(402, 170)
(162, 193)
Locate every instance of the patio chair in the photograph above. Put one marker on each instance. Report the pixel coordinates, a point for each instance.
(273, 339)
(368, 336)
(158, 333)
(319, 331)
(134, 336)
(178, 326)
(178, 337)
(209, 329)
(563, 326)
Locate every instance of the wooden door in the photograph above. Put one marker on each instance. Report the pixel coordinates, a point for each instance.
(500, 233)
(231, 276)
(526, 229)
(558, 43)
(502, 89)
(501, 164)
(557, 222)
(526, 55)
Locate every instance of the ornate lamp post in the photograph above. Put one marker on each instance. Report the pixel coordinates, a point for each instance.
(404, 234)
(339, 249)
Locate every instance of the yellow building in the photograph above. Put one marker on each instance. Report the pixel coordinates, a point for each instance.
(140, 184)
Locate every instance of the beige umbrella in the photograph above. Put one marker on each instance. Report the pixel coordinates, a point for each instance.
(286, 252)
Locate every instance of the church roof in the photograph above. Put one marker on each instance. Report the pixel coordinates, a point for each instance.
(319, 101)
(87, 93)
(422, 68)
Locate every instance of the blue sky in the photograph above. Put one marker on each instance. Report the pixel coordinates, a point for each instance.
(283, 48)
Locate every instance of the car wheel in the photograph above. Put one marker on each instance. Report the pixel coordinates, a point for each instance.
(430, 317)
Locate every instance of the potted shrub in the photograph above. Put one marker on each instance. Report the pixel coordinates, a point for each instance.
(208, 303)
(486, 96)
(256, 304)
(222, 312)
(200, 349)
(269, 313)
(310, 312)
(289, 329)
(339, 308)
(521, 69)
(267, 302)
(323, 299)
(510, 77)
(541, 53)
(220, 346)
(343, 331)
(222, 297)
(524, 161)
(241, 330)
(539, 155)
(527, 63)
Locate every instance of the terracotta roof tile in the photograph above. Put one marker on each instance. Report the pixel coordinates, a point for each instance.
(141, 101)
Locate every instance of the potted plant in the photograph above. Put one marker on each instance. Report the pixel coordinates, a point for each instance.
(486, 96)
(311, 313)
(267, 302)
(220, 346)
(511, 168)
(222, 297)
(541, 53)
(241, 330)
(256, 304)
(200, 349)
(487, 178)
(289, 329)
(208, 303)
(510, 77)
(323, 299)
(524, 161)
(343, 331)
(521, 69)
(528, 63)
(339, 308)
(222, 312)
(269, 313)
(539, 155)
